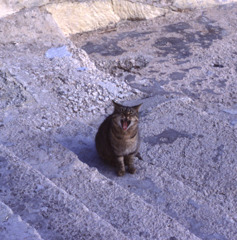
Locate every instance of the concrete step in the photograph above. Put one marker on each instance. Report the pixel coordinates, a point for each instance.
(198, 150)
(12, 227)
(189, 157)
(195, 148)
(125, 211)
(179, 201)
(197, 212)
(53, 212)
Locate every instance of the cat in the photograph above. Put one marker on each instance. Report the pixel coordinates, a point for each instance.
(118, 139)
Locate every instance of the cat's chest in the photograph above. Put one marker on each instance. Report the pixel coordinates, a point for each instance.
(125, 146)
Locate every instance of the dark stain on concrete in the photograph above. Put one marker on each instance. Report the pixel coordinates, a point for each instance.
(180, 62)
(3, 163)
(222, 83)
(176, 76)
(173, 238)
(172, 45)
(211, 91)
(219, 153)
(130, 77)
(190, 94)
(168, 136)
(180, 47)
(153, 71)
(189, 69)
(133, 34)
(197, 82)
(218, 65)
(109, 46)
(177, 27)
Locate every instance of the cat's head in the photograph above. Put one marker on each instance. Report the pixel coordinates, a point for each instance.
(125, 117)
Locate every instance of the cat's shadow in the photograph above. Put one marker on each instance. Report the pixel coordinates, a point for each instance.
(84, 147)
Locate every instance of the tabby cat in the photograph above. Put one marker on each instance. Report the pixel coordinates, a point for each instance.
(118, 140)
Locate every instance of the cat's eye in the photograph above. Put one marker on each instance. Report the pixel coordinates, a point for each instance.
(123, 110)
(131, 112)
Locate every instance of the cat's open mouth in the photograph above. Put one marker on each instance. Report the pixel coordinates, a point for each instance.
(125, 124)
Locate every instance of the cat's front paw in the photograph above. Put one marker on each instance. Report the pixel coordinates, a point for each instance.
(132, 170)
(120, 173)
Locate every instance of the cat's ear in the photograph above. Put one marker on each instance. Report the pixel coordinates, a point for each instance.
(137, 107)
(116, 105)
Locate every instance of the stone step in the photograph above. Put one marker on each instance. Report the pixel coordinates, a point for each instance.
(152, 183)
(195, 148)
(125, 211)
(178, 201)
(12, 227)
(198, 150)
(53, 212)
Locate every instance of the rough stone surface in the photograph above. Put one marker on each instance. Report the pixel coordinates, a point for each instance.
(55, 213)
(191, 54)
(12, 227)
(76, 87)
(91, 15)
(102, 196)
(55, 91)
(195, 197)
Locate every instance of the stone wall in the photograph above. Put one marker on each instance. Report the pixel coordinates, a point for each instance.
(80, 16)
(87, 16)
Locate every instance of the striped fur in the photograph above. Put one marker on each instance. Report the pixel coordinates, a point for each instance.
(118, 140)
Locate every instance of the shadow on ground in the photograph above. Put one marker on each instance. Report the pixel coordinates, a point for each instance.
(82, 143)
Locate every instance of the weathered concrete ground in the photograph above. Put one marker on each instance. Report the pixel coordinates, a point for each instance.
(55, 91)
(183, 54)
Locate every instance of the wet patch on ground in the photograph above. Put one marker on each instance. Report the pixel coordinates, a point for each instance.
(108, 48)
(168, 136)
(176, 76)
(219, 153)
(177, 47)
(180, 47)
(109, 45)
(191, 94)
